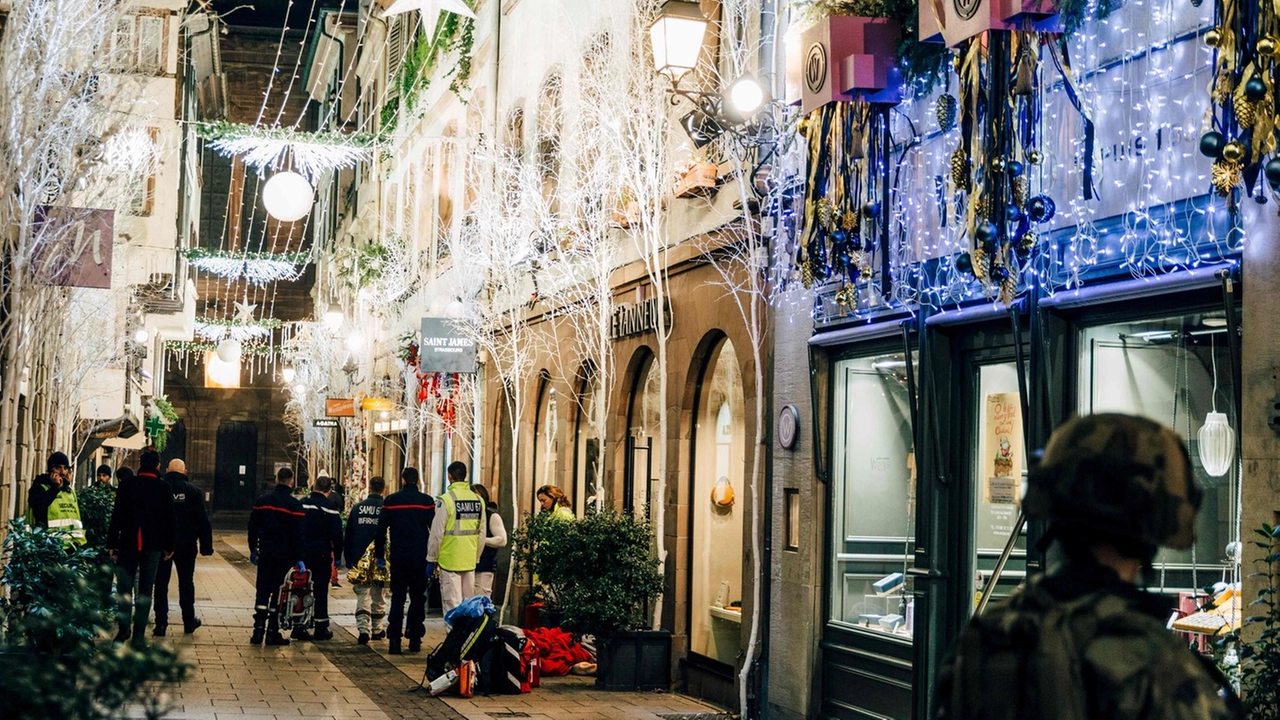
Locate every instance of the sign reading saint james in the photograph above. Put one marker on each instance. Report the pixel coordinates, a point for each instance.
(445, 350)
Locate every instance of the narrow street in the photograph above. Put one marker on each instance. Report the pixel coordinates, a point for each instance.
(340, 679)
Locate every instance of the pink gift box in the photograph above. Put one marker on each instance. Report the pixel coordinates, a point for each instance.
(958, 20)
(846, 58)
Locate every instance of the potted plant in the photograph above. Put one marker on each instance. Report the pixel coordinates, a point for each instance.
(599, 575)
(698, 179)
(1260, 669)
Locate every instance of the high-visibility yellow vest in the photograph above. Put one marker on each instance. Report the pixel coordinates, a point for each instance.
(464, 518)
(64, 516)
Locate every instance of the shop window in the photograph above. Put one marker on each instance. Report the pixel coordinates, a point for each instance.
(588, 470)
(644, 456)
(873, 495)
(546, 441)
(1165, 369)
(999, 475)
(715, 601)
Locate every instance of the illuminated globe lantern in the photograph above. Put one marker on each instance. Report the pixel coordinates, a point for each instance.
(288, 196)
(1217, 446)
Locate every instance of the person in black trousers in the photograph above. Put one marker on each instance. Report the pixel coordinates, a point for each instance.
(140, 534)
(407, 515)
(323, 530)
(192, 529)
(275, 545)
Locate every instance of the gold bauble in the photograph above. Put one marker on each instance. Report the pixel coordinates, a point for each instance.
(1233, 151)
(1267, 46)
(998, 164)
(1034, 157)
(1213, 38)
(1029, 241)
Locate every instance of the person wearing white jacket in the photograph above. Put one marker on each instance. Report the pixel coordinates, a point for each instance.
(495, 536)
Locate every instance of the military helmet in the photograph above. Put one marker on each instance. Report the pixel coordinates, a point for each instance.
(1119, 475)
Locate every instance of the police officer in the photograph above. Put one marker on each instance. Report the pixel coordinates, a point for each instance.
(275, 545)
(323, 531)
(52, 504)
(368, 582)
(456, 538)
(192, 532)
(407, 515)
(1083, 640)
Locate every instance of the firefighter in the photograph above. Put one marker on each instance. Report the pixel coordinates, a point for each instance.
(275, 545)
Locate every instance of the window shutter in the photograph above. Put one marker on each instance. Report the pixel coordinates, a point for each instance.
(395, 55)
(150, 44)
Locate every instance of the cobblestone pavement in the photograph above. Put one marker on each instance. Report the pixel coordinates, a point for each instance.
(340, 679)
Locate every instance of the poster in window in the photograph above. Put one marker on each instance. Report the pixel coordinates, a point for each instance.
(1002, 450)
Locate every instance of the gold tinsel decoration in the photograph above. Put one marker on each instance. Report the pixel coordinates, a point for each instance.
(1021, 189)
(846, 296)
(1226, 176)
(849, 220)
(1223, 87)
(960, 170)
(806, 274)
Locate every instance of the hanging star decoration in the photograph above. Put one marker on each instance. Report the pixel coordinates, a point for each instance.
(244, 311)
(431, 9)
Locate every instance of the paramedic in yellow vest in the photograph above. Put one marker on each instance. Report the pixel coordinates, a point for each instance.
(52, 504)
(457, 534)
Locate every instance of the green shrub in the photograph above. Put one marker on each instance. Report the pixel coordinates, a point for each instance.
(96, 502)
(56, 657)
(1260, 669)
(599, 572)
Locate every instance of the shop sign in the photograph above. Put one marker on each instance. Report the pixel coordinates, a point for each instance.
(377, 404)
(638, 318)
(326, 422)
(340, 407)
(445, 350)
(73, 247)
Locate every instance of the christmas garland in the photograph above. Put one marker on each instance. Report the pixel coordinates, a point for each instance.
(452, 33)
(268, 148)
(160, 417)
(215, 329)
(256, 267)
(188, 347)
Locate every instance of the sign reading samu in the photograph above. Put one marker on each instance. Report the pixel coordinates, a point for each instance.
(445, 350)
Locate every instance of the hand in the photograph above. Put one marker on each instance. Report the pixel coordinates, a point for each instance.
(431, 570)
(253, 558)
(206, 551)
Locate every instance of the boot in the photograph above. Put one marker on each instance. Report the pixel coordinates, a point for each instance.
(275, 639)
(323, 632)
(123, 634)
(393, 646)
(415, 645)
(300, 633)
(363, 639)
(259, 627)
(188, 628)
(160, 630)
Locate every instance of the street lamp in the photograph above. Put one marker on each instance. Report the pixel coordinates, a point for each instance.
(676, 36)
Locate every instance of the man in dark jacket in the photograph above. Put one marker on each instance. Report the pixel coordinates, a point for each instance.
(275, 545)
(323, 531)
(140, 534)
(368, 582)
(407, 515)
(52, 504)
(192, 526)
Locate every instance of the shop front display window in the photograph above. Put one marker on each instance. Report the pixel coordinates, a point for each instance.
(873, 495)
(999, 473)
(1176, 371)
(546, 442)
(587, 453)
(716, 566)
(644, 456)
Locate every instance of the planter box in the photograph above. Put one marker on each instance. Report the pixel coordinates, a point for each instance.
(697, 180)
(626, 216)
(637, 660)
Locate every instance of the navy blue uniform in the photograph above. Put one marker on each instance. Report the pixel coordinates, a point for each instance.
(323, 532)
(407, 515)
(275, 535)
(362, 528)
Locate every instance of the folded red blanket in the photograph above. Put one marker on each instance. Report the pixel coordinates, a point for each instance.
(557, 649)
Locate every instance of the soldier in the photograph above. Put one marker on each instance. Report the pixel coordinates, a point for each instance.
(1083, 640)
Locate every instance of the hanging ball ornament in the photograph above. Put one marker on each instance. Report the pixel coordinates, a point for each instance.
(1267, 46)
(1028, 241)
(1255, 89)
(871, 209)
(1213, 38)
(999, 274)
(288, 196)
(964, 262)
(1015, 168)
(228, 350)
(1233, 151)
(998, 164)
(1034, 157)
(1272, 171)
(1211, 144)
(1041, 208)
(986, 232)
(1012, 212)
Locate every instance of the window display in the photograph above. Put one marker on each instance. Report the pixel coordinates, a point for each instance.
(1176, 371)
(873, 490)
(715, 626)
(1000, 470)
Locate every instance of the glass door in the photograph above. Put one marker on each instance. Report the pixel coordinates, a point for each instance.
(999, 471)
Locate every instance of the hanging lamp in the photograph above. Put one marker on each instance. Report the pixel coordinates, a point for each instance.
(1217, 441)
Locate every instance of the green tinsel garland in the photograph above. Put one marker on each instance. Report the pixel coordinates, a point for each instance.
(199, 253)
(194, 347)
(270, 323)
(223, 130)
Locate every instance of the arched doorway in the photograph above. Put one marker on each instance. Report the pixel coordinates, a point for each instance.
(644, 457)
(546, 441)
(717, 507)
(588, 450)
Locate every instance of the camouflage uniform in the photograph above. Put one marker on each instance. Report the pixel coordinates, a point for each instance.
(1080, 641)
